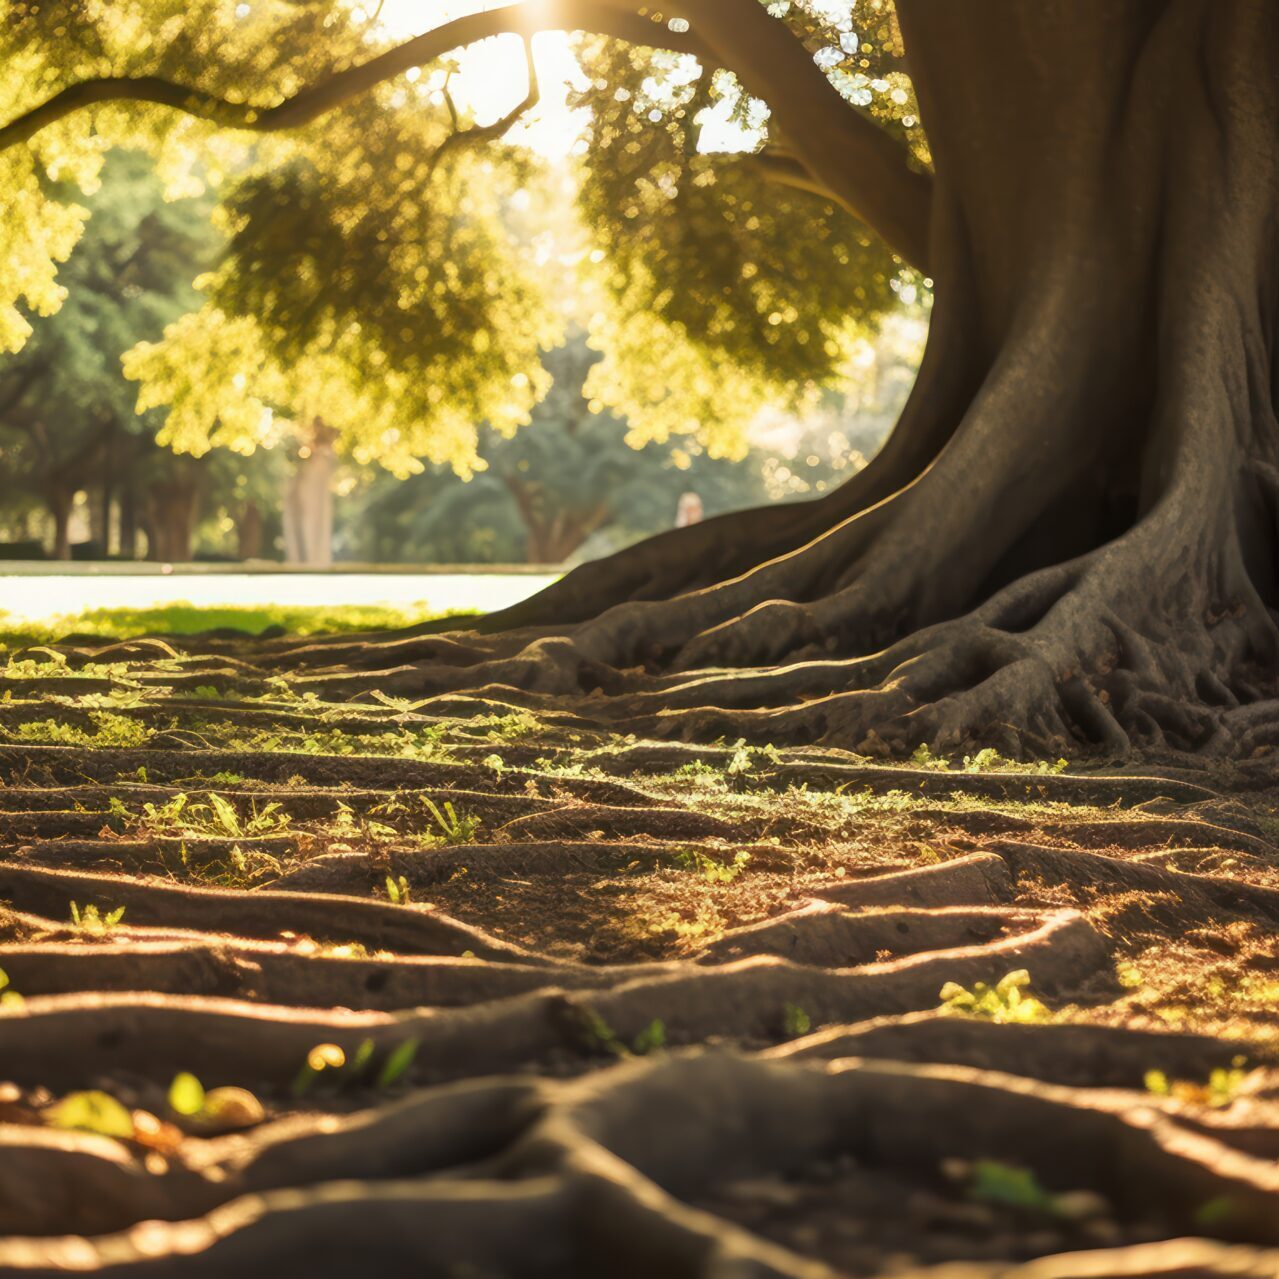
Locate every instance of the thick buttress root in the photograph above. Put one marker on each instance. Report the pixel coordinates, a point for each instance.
(875, 636)
(561, 1113)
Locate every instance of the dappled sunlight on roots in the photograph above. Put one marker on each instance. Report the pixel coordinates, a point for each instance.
(472, 983)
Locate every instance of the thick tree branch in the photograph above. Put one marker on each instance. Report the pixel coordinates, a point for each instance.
(788, 170)
(851, 158)
(341, 86)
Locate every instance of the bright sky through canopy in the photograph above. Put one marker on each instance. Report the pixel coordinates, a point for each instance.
(493, 77)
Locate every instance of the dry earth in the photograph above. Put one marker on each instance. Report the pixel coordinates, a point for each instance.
(512, 996)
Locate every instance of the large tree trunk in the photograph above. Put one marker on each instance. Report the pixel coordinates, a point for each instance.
(1070, 538)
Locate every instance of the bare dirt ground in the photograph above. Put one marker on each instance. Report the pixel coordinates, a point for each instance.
(476, 992)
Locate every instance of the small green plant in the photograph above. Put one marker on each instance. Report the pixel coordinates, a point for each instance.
(186, 1094)
(8, 998)
(924, 758)
(397, 1063)
(509, 727)
(496, 763)
(224, 778)
(91, 920)
(109, 730)
(711, 870)
(1221, 1089)
(223, 1107)
(651, 1039)
(1010, 1186)
(744, 758)
(398, 890)
(1009, 1000)
(321, 1059)
(216, 816)
(698, 769)
(994, 1182)
(795, 1021)
(93, 1111)
(987, 760)
(453, 829)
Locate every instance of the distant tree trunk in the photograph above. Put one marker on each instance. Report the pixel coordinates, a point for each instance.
(128, 523)
(60, 500)
(172, 507)
(107, 491)
(249, 532)
(308, 500)
(551, 535)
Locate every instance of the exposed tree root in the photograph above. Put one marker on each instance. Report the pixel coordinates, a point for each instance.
(571, 1173)
(805, 906)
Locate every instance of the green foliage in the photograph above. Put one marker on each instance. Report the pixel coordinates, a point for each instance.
(92, 1111)
(1005, 1184)
(108, 730)
(181, 618)
(397, 1063)
(418, 744)
(795, 1021)
(651, 1039)
(451, 828)
(987, 760)
(711, 306)
(398, 891)
(186, 1094)
(744, 758)
(92, 920)
(67, 416)
(329, 1064)
(1015, 1188)
(1009, 1000)
(8, 998)
(711, 869)
(574, 483)
(1223, 1086)
(436, 329)
(375, 276)
(215, 815)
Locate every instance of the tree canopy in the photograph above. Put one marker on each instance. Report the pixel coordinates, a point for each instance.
(380, 268)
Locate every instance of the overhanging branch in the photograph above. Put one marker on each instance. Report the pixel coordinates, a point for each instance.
(847, 155)
(341, 86)
(789, 171)
(851, 158)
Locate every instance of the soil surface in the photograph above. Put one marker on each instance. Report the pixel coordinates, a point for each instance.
(504, 994)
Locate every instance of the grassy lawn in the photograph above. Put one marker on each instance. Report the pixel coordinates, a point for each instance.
(182, 618)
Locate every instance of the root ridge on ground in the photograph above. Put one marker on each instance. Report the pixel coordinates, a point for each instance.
(590, 1005)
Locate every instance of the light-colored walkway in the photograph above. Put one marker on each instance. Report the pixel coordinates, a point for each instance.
(32, 595)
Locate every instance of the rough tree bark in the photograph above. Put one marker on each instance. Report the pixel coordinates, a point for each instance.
(1071, 535)
(1070, 538)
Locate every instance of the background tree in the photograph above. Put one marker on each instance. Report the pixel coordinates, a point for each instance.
(570, 486)
(1070, 536)
(67, 420)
